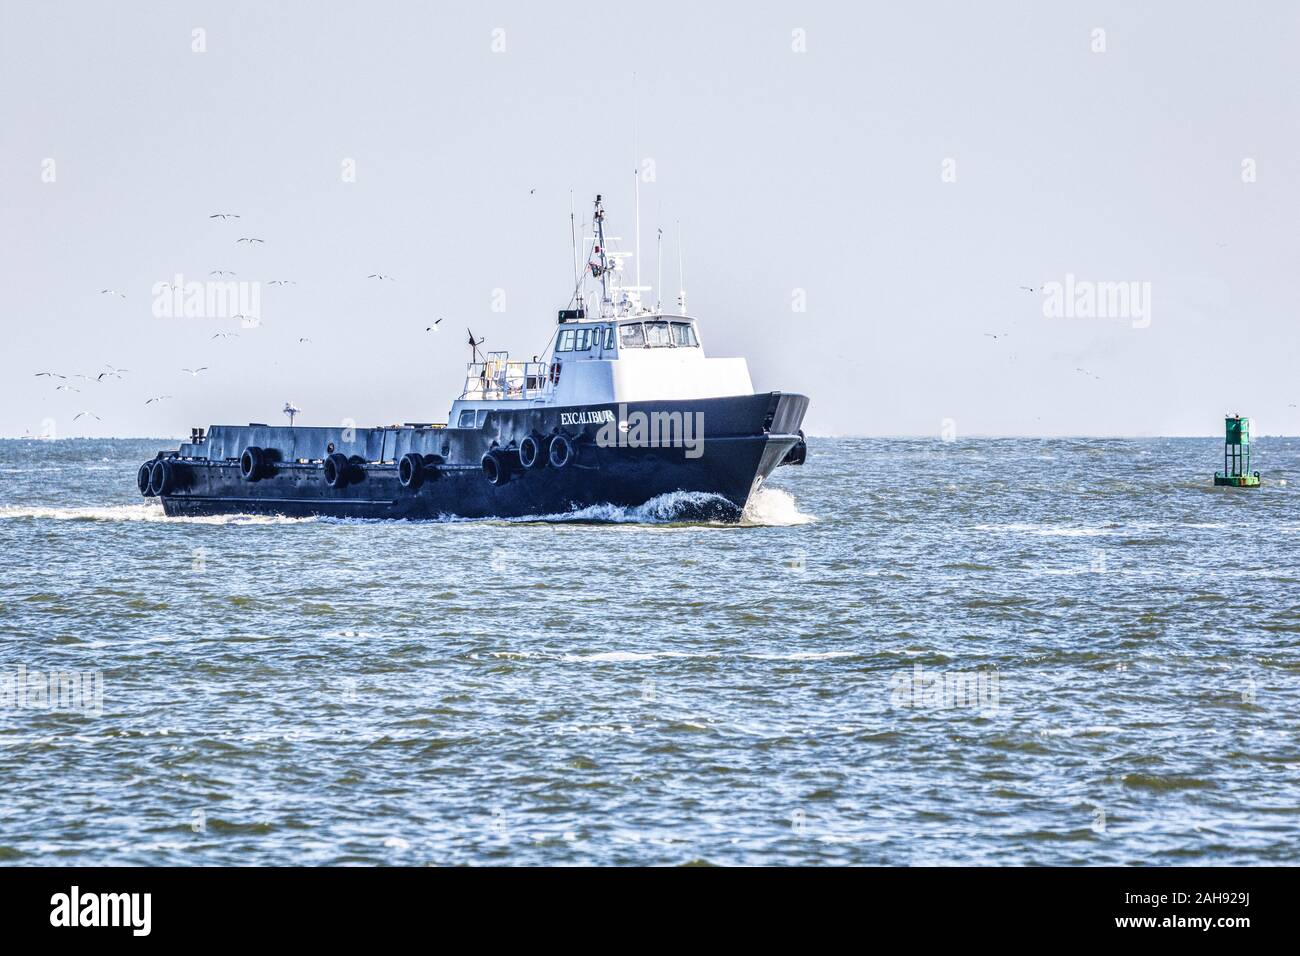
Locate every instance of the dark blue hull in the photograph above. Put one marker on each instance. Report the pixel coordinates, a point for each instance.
(744, 439)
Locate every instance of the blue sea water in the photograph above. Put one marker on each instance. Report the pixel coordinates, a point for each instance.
(909, 652)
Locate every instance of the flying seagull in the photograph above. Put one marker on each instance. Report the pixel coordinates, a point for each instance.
(249, 239)
(91, 414)
(159, 398)
(225, 335)
(304, 339)
(381, 276)
(434, 327)
(224, 215)
(97, 378)
(282, 282)
(1089, 374)
(194, 372)
(66, 388)
(221, 272)
(121, 295)
(50, 375)
(997, 335)
(1027, 288)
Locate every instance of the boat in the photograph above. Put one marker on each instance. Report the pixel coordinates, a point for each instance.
(623, 407)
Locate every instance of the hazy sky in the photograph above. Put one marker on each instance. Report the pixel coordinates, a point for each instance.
(804, 148)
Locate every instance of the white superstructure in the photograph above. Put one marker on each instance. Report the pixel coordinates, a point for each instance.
(610, 349)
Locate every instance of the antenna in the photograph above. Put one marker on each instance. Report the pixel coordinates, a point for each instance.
(659, 273)
(681, 280)
(573, 238)
(473, 347)
(636, 176)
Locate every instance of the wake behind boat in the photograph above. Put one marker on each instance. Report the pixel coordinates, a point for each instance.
(625, 407)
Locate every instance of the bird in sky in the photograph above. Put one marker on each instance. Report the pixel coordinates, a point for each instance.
(247, 321)
(282, 282)
(996, 335)
(304, 339)
(49, 375)
(116, 372)
(221, 272)
(249, 239)
(194, 372)
(157, 398)
(98, 378)
(225, 335)
(1027, 288)
(121, 295)
(66, 388)
(381, 276)
(434, 327)
(1084, 371)
(91, 414)
(224, 215)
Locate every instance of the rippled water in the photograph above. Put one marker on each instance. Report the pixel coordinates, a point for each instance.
(1115, 640)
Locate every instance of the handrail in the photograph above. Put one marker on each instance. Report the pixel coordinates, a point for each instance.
(497, 379)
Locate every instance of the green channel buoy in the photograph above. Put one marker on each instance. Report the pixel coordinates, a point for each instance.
(1236, 455)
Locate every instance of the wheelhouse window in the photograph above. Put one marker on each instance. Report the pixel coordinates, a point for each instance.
(684, 335)
(583, 340)
(466, 418)
(609, 337)
(657, 335)
(631, 336)
(565, 342)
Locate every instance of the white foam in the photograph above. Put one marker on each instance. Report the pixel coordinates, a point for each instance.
(768, 507)
(1049, 531)
(621, 657)
(140, 512)
(804, 655)
(774, 508)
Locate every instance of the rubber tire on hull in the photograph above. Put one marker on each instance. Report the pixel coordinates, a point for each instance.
(533, 452)
(142, 479)
(336, 470)
(251, 463)
(798, 454)
(410, 470)
(495, 468)
(162, 478)
(561, 451)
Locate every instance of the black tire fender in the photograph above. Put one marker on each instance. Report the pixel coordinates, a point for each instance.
(337, 470)
(410, 470)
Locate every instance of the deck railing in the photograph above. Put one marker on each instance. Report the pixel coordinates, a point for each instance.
(500, 378)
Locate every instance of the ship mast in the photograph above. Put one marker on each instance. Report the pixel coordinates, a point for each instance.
(600, 270)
